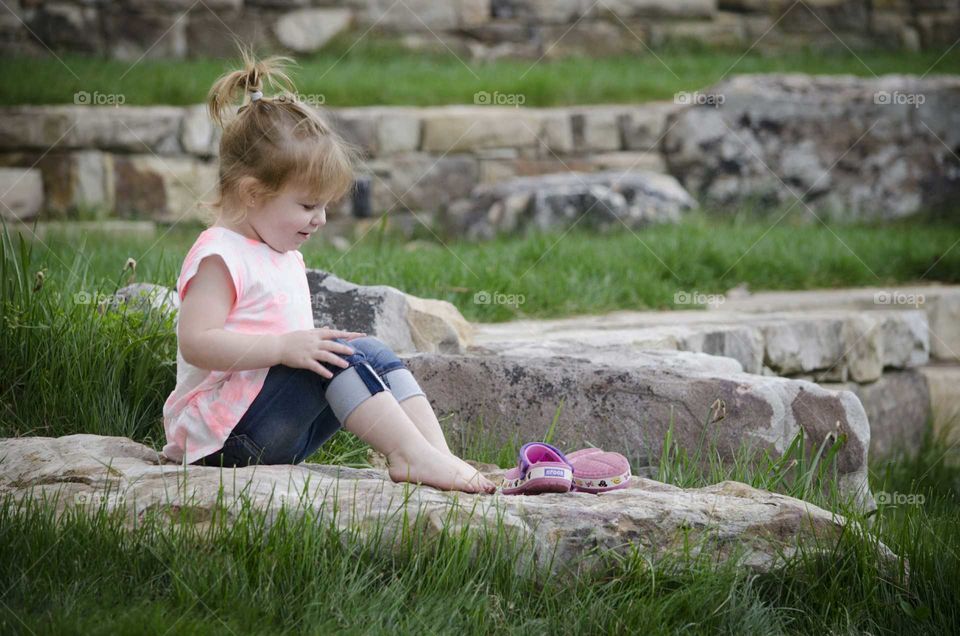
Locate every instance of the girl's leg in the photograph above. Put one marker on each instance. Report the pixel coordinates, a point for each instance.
(379, 420)
(411, 457)
(405, 388)
(418, 409)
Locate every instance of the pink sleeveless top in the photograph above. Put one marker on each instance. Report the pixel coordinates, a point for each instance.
(272, 298)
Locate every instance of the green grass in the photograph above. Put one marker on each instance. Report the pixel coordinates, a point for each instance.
(69, 369)
(559, 274)
(300, 574)
(376, 72)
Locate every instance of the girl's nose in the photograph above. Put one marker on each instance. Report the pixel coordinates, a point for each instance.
(319, 219)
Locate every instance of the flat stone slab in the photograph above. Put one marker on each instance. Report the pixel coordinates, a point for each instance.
(836, 345)
(941, 304)
(564, 531)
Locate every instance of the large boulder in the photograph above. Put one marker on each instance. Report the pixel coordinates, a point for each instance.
(609, 199)
(856, 148)
(565, 532)
(405, 323)
(139, 297)
(705, 400)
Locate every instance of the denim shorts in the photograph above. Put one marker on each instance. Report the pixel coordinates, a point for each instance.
(297, 410)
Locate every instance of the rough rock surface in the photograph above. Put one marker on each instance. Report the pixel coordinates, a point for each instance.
(404, 322)
(943, 382)
(857, 148)
(563, 531)
(898, 406)
(22, 193)
(606, 200)
(142, 296)
(629, 408)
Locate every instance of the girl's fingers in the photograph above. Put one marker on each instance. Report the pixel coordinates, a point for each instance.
(340, 333)
(329, 356)
(317, 368)
(328, 345)
(337, 332)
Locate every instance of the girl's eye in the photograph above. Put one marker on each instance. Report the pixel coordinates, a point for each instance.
(308, 207)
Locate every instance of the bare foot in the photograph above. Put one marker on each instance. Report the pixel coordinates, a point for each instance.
(437, 469)
(483, 479)
(488, 485)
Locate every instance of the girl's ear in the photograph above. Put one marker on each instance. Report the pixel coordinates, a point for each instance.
(248, 189)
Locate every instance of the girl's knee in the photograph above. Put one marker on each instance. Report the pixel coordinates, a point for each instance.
(352, 386)
(376, 352)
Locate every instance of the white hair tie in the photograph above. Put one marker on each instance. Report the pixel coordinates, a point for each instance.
(255, 95)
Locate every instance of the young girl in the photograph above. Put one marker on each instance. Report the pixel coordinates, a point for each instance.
(256, 382)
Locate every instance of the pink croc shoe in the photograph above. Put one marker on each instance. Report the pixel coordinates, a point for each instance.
(542, 468)
(596, 470)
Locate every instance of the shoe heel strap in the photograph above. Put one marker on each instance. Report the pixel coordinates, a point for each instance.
(525, 465)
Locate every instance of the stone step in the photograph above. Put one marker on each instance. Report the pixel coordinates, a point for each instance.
(824, 345)
(629, 407)
(902, 405)
(943, 384)
(941, 304)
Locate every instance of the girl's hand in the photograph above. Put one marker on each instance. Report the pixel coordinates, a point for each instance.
(306, 349)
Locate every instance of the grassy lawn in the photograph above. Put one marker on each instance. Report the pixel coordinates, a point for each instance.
(67, 369)
(563, 274)
(380, 73)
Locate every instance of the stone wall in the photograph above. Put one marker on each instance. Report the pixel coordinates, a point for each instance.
(157, 162)
(855, 148)
(862, 148)
(481, 29)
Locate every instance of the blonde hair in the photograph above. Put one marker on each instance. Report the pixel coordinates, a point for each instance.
(277, 140)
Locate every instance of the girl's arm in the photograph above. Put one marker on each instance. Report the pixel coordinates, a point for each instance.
(204, 342)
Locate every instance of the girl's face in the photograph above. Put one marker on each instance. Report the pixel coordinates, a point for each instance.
(286, 221)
